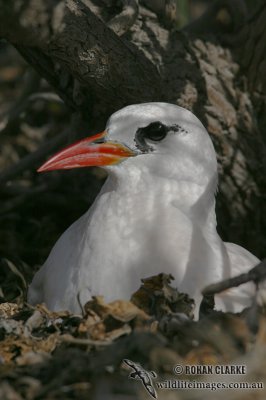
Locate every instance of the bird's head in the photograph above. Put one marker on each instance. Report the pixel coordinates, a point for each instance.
(162, 137)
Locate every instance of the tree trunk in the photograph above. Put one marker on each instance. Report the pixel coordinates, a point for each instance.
(214, 67)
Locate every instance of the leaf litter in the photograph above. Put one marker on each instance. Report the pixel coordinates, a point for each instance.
(46, 354)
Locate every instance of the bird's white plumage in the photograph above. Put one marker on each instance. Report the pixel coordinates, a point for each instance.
(155, 213)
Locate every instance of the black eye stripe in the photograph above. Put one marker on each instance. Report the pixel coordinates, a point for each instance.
(155, 131)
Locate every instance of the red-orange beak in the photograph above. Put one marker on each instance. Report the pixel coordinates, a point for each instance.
(92, 151)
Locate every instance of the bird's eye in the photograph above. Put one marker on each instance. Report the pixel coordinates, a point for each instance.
(155, 131)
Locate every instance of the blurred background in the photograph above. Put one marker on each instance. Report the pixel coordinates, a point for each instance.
(37, 208)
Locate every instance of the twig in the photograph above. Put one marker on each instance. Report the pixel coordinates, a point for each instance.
(15, 271)
(9, 118)
(85, 342)
(34, 158)
(256, 274)
(46, 96)
(20, 199)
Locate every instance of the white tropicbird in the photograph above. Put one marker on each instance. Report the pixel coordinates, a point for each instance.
(155, 213)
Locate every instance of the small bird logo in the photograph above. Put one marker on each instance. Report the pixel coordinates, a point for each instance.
(144, 376)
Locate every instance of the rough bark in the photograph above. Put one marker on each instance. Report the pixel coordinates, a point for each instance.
(251, 55)
(78, 54)
(214, 68)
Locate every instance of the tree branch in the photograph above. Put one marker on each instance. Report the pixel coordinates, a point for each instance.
(252, 56)
(123, 21)
(256, 274)
(71, 39)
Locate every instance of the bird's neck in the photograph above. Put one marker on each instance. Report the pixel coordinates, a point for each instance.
(149, 193)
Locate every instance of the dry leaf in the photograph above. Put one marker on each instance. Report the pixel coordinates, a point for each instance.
(7, 310)
(157, 297)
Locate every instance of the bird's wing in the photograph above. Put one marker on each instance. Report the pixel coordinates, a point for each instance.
(55, 283)
(241, 261)
(35, 293)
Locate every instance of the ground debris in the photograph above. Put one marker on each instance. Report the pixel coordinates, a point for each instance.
(157, 297)
(109, 321)
(46, 354)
